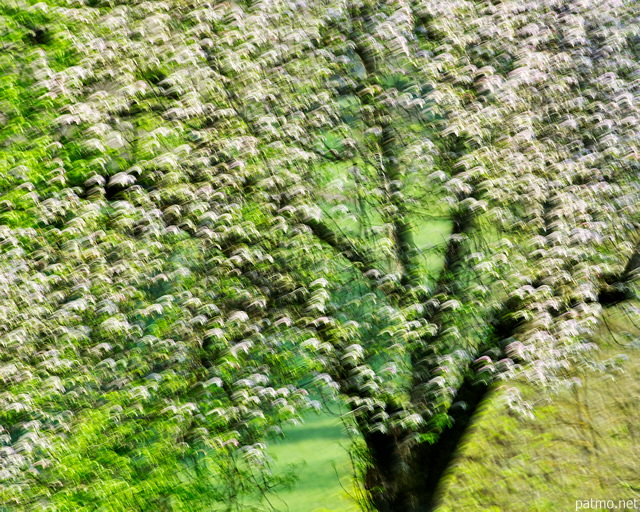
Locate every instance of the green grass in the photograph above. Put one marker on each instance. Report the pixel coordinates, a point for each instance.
(317, 450)
(431, 239)
(584, 444)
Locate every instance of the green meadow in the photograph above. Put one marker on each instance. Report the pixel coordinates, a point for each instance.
(316, 452)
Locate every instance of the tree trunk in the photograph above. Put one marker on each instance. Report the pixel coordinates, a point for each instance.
(405, 477)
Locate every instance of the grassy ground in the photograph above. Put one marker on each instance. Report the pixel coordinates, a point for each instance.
(583, 445)
(317, 450)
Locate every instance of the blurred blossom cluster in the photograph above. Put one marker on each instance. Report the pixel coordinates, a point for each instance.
(211, 213)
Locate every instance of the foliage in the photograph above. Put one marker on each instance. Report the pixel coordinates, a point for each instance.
(209, 208)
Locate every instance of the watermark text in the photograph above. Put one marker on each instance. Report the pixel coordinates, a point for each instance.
(594, 504)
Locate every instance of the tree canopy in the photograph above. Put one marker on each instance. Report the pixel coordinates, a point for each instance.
(212, 213)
